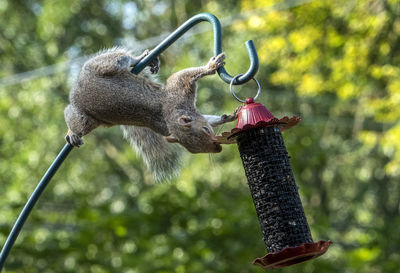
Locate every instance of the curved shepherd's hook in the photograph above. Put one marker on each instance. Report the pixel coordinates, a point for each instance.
(251, 50)
(138, 67)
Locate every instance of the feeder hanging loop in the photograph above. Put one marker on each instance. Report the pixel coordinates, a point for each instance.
(236, 97)
(217, 30)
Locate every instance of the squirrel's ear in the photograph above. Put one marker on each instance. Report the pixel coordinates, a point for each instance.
(185, 121)
(171, 139)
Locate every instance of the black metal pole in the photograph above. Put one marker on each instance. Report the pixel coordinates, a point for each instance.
(31, 203)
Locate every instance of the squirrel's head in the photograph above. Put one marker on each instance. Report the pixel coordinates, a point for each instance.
(195, 134)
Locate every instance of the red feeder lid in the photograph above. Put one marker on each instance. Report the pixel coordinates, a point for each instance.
(254, 115)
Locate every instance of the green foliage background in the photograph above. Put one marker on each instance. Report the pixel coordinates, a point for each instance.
(335, 63)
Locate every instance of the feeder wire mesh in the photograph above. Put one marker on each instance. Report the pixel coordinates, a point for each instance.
(273, 188)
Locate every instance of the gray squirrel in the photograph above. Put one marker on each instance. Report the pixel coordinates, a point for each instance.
(152, 115)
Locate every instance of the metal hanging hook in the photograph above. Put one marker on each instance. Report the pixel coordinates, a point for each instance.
(251, 50)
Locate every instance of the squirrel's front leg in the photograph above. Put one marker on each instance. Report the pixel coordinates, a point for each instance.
(219, 120)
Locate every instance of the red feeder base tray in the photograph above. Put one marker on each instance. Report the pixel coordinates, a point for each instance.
(293, 255)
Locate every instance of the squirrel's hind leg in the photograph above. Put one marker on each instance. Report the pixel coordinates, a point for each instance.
(111, 63)
(79, 124)
(186, 79)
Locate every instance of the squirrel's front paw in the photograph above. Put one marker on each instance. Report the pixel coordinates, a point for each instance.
(228, 118)
(236, 112)
(216, 62)
(73, 139)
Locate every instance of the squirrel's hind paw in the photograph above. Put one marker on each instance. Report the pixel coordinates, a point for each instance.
(154, 65)
(217, 61)
(74, 139)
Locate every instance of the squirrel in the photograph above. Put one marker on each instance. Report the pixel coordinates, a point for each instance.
(152, 115)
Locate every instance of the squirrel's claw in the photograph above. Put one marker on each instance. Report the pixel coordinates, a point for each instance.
(74, 139)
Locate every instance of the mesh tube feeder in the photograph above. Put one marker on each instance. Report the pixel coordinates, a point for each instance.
(284, 226)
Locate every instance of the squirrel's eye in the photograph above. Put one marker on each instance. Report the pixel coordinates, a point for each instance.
(206, 130)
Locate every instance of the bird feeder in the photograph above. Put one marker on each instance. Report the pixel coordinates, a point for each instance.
(284, 226)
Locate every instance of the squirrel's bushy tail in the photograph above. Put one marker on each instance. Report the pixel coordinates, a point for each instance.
(163, 159)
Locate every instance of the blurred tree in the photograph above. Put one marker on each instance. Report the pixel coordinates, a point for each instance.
(341, 59)
(335, 63)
